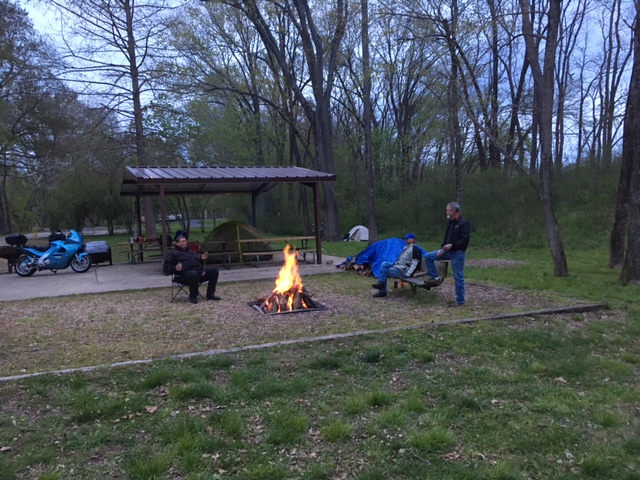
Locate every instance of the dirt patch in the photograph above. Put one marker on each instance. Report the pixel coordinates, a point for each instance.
(494, 262)
(84, 330)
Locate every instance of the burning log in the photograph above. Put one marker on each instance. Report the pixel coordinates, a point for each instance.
(293, 300)
(289, 295)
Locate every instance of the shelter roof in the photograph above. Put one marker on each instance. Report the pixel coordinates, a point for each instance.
(214, 180)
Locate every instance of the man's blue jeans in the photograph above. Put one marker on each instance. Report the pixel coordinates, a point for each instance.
(388, 270)
(457, 265)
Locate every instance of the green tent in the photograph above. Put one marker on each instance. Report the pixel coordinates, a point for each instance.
(222, 243)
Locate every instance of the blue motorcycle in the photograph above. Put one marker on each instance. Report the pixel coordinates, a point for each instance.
(61, 253)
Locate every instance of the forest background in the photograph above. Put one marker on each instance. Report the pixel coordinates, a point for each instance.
(513, 108)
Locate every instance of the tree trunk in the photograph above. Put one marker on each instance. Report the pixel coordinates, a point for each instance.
(544, 82)
(455, 101)
(619, 230)
(5, 212)
(141, 152)
(494, 152)
(631, 154)
(367, 115)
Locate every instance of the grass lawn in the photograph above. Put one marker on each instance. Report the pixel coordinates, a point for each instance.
(539, 397)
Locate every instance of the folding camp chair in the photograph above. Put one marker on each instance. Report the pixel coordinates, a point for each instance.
(177, 287)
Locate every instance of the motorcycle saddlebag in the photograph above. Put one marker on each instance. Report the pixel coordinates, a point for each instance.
(99, 252)
(15, 239)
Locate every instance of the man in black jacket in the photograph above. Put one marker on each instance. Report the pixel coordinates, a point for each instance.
(456, 241)
(185, 263)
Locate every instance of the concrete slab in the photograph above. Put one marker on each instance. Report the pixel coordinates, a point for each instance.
(119, 277)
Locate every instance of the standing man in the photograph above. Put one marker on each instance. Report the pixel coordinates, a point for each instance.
(185, 263)
(456, 241)
(404, 266)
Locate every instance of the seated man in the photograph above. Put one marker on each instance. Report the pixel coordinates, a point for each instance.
(403, 267)
(185, 263)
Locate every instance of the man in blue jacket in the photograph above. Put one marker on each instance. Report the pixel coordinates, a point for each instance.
(456, 241)
(404, 266)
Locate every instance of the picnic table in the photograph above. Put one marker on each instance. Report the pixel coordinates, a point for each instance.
(150, 246)
(249, 250)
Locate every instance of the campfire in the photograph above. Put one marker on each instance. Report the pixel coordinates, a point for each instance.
(289, 295)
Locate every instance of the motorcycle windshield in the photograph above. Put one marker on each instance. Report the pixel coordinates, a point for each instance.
(74, 237)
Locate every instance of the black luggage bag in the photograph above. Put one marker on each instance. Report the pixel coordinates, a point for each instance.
(99, 252)
(16, 239)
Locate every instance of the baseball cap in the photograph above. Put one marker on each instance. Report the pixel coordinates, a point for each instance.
(409, 235)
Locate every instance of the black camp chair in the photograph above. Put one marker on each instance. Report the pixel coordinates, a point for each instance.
(178, 287)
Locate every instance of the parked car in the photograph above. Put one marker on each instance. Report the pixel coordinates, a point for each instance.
(172, 217)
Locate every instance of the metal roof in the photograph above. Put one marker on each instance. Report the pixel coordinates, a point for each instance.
(214, 180)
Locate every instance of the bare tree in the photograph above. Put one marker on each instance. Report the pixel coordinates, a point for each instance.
(613, 69)
(571, 24)
(404, 58)
(112, 45)
(320, 29)
(29, 90)
(367, 121)
(544, 82)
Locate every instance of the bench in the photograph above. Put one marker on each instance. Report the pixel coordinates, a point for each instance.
(135, 252)
(225, 257)
(265, 247)
(249, 257)
(153, 250)
(303, 254)
(417, 280)
(303, 250)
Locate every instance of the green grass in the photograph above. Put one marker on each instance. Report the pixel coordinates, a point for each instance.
(337, 431)
(553, 397)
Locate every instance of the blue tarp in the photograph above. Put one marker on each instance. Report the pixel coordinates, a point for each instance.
(382, 251)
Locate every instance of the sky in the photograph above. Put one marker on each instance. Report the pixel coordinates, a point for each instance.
(38, 16)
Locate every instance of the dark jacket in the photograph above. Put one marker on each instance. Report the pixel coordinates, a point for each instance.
(458, 234)
(188, 258)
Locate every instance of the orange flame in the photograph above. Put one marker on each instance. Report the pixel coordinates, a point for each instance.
(289, 277)
(289, 292)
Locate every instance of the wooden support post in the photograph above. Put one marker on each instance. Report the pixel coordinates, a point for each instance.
(254, 197)
(163, 219)
(316, 218)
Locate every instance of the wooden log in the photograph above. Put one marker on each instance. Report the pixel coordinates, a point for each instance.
(298, 298)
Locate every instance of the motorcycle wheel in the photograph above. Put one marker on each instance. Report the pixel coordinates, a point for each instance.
(81, 265)
(23, 268)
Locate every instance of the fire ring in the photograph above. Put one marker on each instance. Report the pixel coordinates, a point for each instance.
(317, 307)
(289, 295)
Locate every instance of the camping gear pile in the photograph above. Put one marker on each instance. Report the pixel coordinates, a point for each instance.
(369, 260)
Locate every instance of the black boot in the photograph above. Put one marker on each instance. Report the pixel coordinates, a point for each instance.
(433, 282)
(379, 285)
(380, 294)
